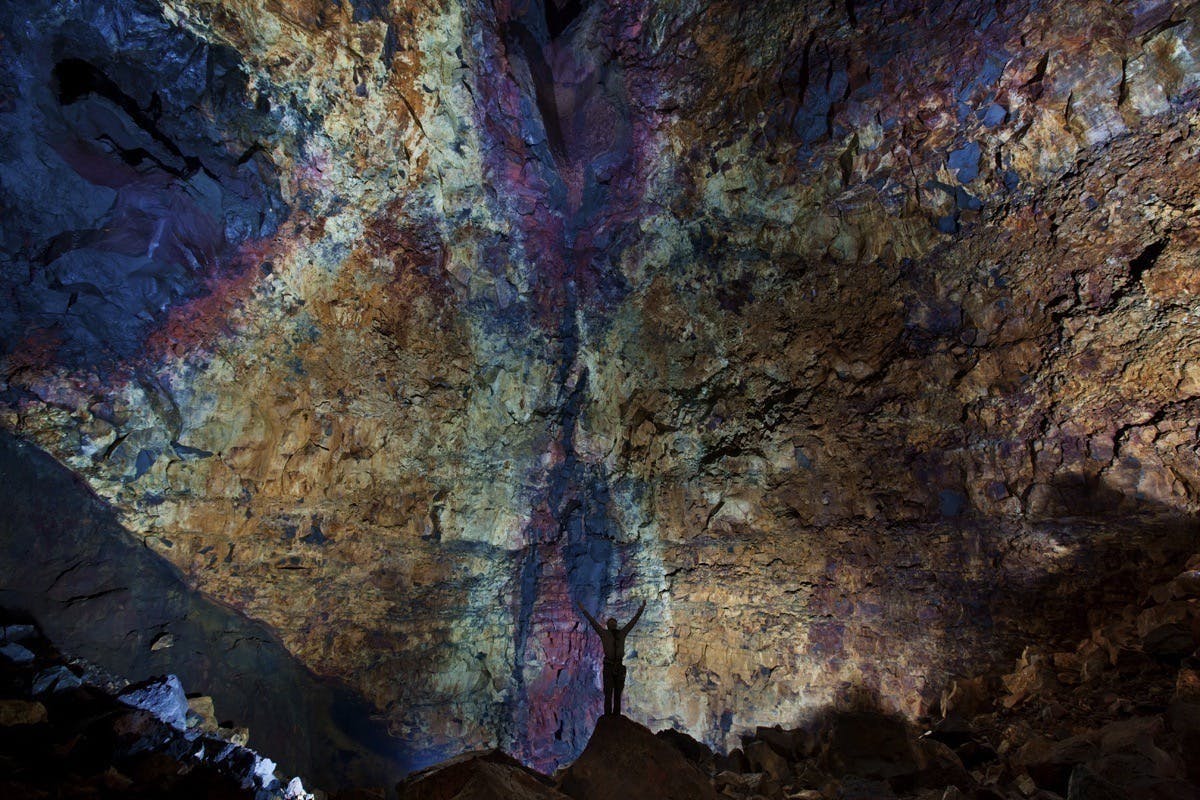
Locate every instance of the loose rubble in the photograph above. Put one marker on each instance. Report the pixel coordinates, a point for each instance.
(68, 730)
(1116, 718)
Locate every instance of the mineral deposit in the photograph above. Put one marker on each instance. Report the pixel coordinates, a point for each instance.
(860, 339)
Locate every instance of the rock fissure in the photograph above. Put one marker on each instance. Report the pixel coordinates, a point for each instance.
(856, 336)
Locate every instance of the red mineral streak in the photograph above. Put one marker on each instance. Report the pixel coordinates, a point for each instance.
(195, 324)
(36, 350)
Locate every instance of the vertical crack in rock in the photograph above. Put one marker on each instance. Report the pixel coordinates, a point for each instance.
(829, 311)
(570, 554)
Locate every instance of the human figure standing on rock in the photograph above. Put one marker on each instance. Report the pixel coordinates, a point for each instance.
(613, 640)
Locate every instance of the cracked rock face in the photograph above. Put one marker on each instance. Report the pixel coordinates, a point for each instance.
(857, 338)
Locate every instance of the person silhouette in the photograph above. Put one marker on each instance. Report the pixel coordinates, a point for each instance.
(613, 640)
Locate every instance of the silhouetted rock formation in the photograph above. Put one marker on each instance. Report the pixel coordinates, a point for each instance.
(100, 595)
(486, 775)
(625, 761)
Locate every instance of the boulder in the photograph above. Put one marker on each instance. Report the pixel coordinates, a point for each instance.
(203, 714)
(940, 766)
(16, 653)
(1050, 763)
(18, 633)
(1034, 675)
(739, 782)
(1187, 682)
(55, 679)
(1184, 719)
(1186, 584)
(870, 745)
(1168, 629)
(625, 761)
(959, 735)
(763, 758)
(1133, 761)
(482, 775)
(694, 751)
(967, 697)
(856, 788)
(162, 697)
(21, 712)
(734, 761)
(791, 744)
(1085, 784)
(1093, 661)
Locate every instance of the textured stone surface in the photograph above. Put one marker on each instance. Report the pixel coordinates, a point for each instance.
(858, 338)
(65, 558)
(162, 697)
(84, 741)
(625, 760)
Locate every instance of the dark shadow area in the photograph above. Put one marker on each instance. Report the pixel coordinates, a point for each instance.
(1116, 546)
(68, 732)
(102, 596)
(560, 14)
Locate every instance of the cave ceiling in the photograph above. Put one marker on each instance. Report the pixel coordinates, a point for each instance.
(844, 333)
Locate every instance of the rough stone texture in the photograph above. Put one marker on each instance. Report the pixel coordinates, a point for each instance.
(162, 697)
(859, 338)
(65, 558)
(625, 760)
(83, 741)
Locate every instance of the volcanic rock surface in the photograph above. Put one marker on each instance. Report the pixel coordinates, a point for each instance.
(859, 338)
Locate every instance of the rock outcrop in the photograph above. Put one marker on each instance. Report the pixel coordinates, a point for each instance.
(625, 760)
(71, 736)
(65, 558)
(478, 776)
(857, 337)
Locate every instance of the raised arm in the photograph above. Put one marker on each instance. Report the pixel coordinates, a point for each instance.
(629, 625)
(590, 618)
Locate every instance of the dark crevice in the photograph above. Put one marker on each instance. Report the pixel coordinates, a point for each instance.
(1039, 72)
(1123, 89)
(543, 86)
(77, 79)
(1145, 260)
(805, 66)
(560, 14)
(251, 151)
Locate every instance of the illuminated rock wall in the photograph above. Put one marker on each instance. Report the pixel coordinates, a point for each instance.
(857, 338)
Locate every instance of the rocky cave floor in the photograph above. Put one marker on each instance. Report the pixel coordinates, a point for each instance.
(1116, 717)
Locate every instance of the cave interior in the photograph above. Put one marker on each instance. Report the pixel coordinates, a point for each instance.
(353, 352)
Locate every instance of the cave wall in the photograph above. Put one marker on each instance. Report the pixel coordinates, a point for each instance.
(65, 558)
(857, 337)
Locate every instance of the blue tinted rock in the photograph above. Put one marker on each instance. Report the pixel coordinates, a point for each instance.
(951, 503)
(965, 161)
(993, 115)
(54, 680)
(966, 201)
(162, 697)
(16, 653)
(18, 633)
